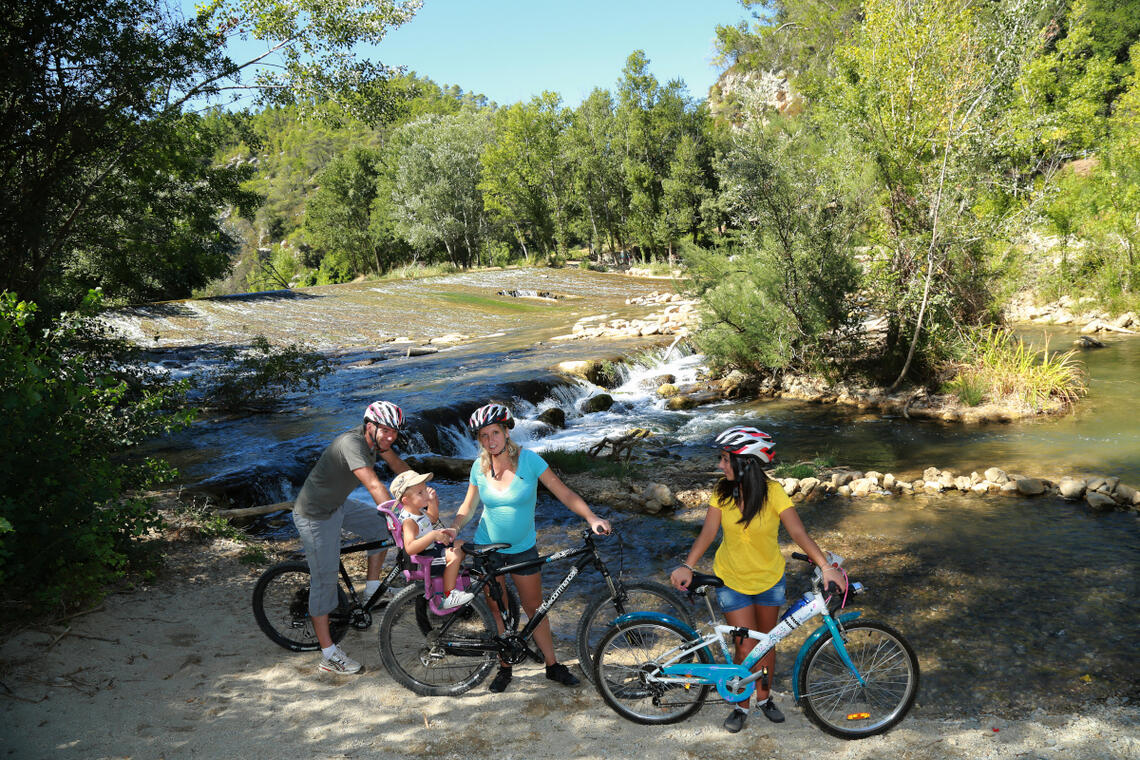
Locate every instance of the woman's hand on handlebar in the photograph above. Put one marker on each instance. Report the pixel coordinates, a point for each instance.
(598, 525)
(681, 578)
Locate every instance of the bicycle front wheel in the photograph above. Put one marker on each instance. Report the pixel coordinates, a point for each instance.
(626, 661)
(835, 701)
(640, 596)
(281, 608)
(431, 663)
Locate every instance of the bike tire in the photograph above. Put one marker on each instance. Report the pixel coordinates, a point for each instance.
(639, 596)
(628, 654)
(281, 608)
(412, 655)
(833, 700)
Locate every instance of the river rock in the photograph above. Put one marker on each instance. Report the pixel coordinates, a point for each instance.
(1071, 488)
(599, 403)
(1009, 488)
(861, 487)
(1124, 494)
(933, 486)
(1088, 342)
(873, 475)
(889, 481)
(554, 417)
(1110, 484)
(667, 390)
(790, 485)
(808, 485)
(678, 403)
(421, 350)
(1128, 319)
(1098, 500)
(844, 490)
(735, 384)
(995, 475)
(1030, 487)
(947, 479)
(448, 468)
(962, 483)
(1095, 484)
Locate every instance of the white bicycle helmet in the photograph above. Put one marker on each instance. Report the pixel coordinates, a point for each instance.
(490, 414)
(385, 413)
(746, 440)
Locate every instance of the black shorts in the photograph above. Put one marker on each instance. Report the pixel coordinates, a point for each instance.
(511, 559)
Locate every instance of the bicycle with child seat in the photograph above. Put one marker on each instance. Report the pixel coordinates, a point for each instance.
(437, 652)
(281, 595)
(281, 601)
(853, 678)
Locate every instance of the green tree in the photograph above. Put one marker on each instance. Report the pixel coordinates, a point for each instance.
(590, 143)
(338, 216)
(686, 192)
(96, 138)
(781, 294)
(525, 177)
(435, 197)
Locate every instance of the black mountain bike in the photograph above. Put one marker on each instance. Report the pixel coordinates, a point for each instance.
(281, 600)
(445, 655)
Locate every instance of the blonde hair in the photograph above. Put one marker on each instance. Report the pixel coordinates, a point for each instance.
(512, 451)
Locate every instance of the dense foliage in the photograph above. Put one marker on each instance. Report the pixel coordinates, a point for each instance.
(74, 401)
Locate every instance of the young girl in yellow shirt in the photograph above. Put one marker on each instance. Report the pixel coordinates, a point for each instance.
(750, 507)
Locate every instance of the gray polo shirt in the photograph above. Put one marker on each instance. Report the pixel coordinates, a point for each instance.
(331, 480)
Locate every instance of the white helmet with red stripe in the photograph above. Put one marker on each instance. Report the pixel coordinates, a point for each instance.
(490, 414)
(385, 413)
(746, 440)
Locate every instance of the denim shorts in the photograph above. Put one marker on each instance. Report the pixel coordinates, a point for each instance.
(730, 600)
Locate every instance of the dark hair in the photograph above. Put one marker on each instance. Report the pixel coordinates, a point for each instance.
(749, 489)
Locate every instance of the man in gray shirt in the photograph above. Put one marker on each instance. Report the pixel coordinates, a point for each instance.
(320, 511)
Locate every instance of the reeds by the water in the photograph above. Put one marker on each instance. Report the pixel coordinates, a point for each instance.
(997, 366)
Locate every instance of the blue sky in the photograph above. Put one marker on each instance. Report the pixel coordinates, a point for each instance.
(510, 50)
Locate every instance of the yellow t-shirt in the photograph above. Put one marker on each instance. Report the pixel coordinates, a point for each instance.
(749, 559)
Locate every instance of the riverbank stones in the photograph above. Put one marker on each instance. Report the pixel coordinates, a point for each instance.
(1071, 488)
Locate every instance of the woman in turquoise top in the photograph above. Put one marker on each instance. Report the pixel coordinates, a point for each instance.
(505, 478)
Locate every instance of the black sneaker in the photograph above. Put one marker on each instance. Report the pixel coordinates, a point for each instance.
(502, 678)
(735, 720)
(771, 712)
(560, 673)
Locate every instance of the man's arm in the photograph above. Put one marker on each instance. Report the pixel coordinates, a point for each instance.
(367, 476)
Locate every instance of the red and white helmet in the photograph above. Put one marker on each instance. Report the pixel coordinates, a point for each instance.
(746, 441)
(385, 413)
(489, 414)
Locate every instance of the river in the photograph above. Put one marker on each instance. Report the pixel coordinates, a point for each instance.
(1012, 603)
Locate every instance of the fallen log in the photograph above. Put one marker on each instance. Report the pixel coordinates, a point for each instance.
(264, 509)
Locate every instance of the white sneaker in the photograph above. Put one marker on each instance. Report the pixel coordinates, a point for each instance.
(455, 599)
(339, 663)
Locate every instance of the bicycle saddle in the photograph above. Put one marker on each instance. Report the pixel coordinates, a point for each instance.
(702, 582)
(482, 550)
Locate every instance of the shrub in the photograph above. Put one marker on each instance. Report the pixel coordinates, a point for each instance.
(1009, 368)
(254, 380)
(75, 402)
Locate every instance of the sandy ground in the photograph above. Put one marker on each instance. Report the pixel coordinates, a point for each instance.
(180, 670)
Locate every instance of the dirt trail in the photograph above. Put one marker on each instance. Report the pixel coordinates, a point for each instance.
(179, 670)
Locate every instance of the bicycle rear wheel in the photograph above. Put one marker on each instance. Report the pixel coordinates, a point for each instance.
(833, 699)
(281, 608)
(626, 659)
(639, 596)
(430, 664)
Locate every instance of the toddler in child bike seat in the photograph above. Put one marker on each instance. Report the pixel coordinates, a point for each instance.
(421, 538)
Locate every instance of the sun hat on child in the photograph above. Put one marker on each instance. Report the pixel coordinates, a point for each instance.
(406, 480)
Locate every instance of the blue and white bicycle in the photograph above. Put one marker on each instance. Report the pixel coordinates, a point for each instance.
(853, 678)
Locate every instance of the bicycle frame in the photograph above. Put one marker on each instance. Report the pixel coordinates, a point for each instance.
(736, 682)
(586, 555)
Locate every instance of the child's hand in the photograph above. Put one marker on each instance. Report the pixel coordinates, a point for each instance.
(445, 535)
(681, 578)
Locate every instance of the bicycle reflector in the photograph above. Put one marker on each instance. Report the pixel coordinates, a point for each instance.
(858, 716)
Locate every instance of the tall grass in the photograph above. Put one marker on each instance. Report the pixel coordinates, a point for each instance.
(1002, 366)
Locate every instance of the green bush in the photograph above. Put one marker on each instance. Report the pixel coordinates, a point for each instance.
(253, 380)
(75, 402)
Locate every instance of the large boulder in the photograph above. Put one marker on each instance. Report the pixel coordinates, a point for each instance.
(599, 403)
(554, 417)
